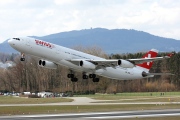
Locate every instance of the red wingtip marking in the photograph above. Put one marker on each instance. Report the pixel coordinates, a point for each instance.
(171, 54)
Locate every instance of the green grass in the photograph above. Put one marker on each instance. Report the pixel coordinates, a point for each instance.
(169, 99)
(139, 99)
(20, 100)
(25, 110)
(126, 94)
(133, 95)
(149, 94)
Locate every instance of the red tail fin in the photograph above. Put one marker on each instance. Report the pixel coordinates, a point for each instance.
(151, 54)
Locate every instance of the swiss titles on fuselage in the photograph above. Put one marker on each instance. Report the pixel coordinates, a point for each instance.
(45, 44)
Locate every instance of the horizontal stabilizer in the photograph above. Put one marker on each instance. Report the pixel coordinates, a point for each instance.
(159, 74)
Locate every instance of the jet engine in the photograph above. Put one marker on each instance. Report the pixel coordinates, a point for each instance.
(125, 64)
(144, 74)
(86, 64)
(47, 64)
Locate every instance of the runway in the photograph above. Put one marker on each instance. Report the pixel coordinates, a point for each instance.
(94, 115)
(98, 115)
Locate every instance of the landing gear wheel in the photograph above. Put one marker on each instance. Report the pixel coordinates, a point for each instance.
(74, 79)
(95, 79)
(70, 75)
(85, 77)
(22, 59)
(92, 75)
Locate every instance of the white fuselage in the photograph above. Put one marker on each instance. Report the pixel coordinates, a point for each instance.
(61, 55)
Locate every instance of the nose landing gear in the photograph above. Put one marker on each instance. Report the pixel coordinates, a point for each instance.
(22, 57)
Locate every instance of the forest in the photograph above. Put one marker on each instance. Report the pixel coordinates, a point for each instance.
(28, 76)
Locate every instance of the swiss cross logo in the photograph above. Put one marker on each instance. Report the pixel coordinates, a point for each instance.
(149, 56)
(42, 43)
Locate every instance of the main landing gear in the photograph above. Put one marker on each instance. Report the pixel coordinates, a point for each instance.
(84, 76)
(72, 77)
(22, 57)
(94, 78)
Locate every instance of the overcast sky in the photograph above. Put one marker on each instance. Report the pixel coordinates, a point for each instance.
(43, 17)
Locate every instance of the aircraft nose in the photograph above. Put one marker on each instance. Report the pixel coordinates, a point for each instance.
(10, 42)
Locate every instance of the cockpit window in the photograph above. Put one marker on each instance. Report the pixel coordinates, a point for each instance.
(16, 39)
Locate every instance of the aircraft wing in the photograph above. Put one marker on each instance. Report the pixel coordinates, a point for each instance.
(128, 63)
(102, 63)
(142, 60)
(133, 61)
(105, 63)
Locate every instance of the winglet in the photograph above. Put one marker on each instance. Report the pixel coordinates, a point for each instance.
(171, 54)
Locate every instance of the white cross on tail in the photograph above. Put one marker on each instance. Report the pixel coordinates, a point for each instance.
(149, 56)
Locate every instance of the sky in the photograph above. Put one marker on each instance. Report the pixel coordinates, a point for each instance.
(43, 17)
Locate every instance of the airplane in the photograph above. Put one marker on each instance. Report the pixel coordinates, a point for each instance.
(51, 55)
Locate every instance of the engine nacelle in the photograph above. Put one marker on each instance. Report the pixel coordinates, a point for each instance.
(144, 74)
(125, 64)
(47, 64)
(86, 64)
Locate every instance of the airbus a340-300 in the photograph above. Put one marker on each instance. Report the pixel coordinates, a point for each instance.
(52, 55)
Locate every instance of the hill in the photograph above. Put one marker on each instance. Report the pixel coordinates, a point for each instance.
(111, 41)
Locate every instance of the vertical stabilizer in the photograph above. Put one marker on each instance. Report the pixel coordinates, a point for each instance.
(151, 54)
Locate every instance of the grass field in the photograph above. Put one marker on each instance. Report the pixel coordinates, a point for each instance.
(140, 94)
(20, 100)
(137, 100)
(136, 97)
